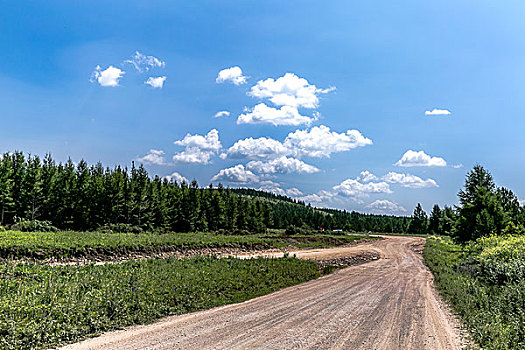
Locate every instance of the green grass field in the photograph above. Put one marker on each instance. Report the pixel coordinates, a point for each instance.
(485, 283)
(41, 245)
(42, 306)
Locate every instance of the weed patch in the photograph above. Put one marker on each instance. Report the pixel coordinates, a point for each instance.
(491, 307)
(43, 306)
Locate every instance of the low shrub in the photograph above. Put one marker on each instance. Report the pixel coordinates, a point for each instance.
(471, 278)
(33, 226)
(296, 230)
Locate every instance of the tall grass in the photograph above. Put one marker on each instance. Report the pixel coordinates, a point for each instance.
(42, 306)
(491, 307)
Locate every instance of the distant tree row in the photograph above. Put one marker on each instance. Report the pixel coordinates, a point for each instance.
(82, 197)
(484, 209)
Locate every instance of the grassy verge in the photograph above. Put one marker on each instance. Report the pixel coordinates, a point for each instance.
(41, 245)
(473, 280)
(41, 306)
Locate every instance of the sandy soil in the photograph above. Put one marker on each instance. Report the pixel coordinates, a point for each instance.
(388, 303)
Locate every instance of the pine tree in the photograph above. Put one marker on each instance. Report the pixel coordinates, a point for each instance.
(434, 225)
(419, 221)
(6, 186)
(480, 212)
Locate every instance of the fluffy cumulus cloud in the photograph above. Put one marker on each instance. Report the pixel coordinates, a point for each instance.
(316, 142)
(419, 158)
(384, 206)
(221, 114)
(193, 155)
(262, 114)
(319, 197)
(438, 112)
(156, 82)
(293, 192)
(522, 201)
(407, 180)
(288, 90)
(282, 165)
(354, 188)
(143, 63)
(233, 75)
(365, 185)
(208, 142)
(107, 77)
(366, 176)
(319, 141)
(259, 148)
(154, 156)
(176, 177)
(237, 174)
(199, 149)
(112, 75)
(270, 186)
(240, 175)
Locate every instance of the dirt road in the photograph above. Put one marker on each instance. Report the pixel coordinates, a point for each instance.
(385, 304)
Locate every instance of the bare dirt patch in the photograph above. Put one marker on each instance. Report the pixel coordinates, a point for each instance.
(113, 256)
(345, 261)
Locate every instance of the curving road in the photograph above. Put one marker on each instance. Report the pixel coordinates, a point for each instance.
(385, 304)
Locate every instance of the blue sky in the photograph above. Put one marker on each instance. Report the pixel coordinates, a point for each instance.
(361, 77)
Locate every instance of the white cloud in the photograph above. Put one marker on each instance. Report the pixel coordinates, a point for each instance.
(208, 142)
(438, 112)
(458, 166)
(319, 141)
(366, 176)
(522, 201)
(294, 192)
(270, 186)
(282, 165)
(260, 148)
(385, 206)
(356, 189)
(318, 198)
(236, 174)
(177, 178)
(312, 198)
(199, 148)
(193, 155)
(407, 180)
(107, 77)
(288, 90)
(413, 158)
(142, 62)
(233, 74)
(222, 114)
(262, 114)
(154, 156)
(157, 82)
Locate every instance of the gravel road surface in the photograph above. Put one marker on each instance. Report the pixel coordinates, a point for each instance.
(388, 303)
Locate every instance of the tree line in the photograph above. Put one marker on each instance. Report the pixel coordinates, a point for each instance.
(484, 209)
(83, 197)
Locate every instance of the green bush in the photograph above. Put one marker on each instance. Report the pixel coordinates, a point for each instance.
(295, 230)
(492, 310)
(33, 226)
